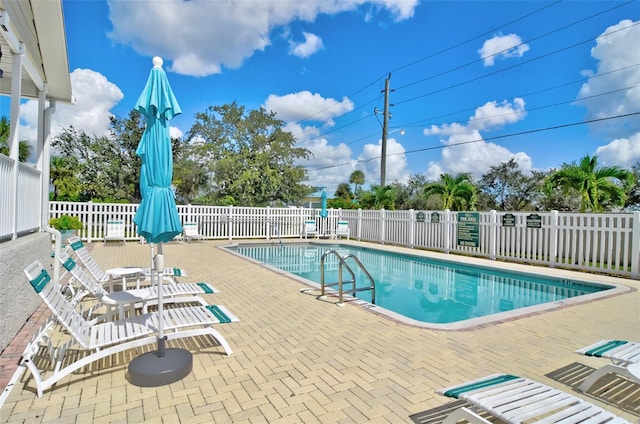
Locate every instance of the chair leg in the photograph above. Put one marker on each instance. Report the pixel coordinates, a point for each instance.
(601, 372)
(464, 414)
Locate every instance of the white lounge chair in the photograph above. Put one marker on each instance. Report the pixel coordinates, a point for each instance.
(624, 356)
(310, 228)
(115, 231)
(124, 274)
(190, 230)
(137, 298)
(515, 399)
(107, 338)
(342, 229)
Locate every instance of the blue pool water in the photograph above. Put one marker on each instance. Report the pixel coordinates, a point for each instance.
(423, 289)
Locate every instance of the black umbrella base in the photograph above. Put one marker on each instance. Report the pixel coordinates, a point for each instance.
(149, 370)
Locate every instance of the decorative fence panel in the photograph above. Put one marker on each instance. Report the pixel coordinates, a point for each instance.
(608, 243)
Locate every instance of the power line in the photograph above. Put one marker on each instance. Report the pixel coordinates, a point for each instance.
(308, 118)
(428, 121)
(497, 137)
(521, 44)
(479, 77)
(515, 65)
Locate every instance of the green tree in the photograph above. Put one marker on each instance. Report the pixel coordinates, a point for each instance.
(379, 198)
(343, 191)
(106, 166)
(457, 193)
(190, 179)
(409, 195)
(633, 197)
(506, 188)
(357, 179)
(600, 188)
(66, 185)
(24, 147)
(249, 155)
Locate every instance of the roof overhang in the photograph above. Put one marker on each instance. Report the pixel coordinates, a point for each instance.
(36, 29)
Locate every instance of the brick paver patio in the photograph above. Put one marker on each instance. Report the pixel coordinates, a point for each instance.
(298, 359)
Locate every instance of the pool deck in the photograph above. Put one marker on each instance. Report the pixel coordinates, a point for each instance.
(298, 359)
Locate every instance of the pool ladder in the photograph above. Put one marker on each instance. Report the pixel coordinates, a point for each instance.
(341, 283)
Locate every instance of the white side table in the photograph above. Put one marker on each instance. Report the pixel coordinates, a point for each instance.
(124, 274)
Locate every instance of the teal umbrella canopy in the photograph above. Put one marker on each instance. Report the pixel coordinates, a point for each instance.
(323, 209)
(157, 217)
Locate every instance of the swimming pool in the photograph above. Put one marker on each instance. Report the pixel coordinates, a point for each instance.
(417, 289)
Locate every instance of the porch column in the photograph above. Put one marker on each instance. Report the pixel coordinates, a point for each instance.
(14, 139)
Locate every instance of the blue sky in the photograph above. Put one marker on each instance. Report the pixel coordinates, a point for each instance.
(466, 75)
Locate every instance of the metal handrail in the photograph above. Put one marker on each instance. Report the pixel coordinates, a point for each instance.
(340, 282)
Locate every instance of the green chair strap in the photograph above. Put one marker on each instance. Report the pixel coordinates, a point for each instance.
(455, 392)
(69, 264)
(205, 288)
(77, 245)
(222, 317)
(40, 281)
(598, 351)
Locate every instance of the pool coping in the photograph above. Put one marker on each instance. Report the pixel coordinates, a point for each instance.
(618, 283)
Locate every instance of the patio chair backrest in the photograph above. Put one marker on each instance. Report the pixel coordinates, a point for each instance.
(60, 307)
(115, 229)
(191, 229)
(87, 260)
(87, 281)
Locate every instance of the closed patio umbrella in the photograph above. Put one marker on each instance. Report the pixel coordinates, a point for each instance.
(323, 209)
(157, 218)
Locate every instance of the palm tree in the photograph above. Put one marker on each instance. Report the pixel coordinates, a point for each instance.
(24, 148)
(457, 193)
(380, 197)
(598, 188)
(357, 179)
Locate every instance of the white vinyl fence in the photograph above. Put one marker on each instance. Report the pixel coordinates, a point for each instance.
(607, 243)
(25, 217)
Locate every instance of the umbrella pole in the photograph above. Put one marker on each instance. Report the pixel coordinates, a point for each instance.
(159, 267)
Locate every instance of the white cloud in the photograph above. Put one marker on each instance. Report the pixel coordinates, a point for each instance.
(175, 132)
(322, 167)
(615, 52)
(466, 150)
(312, 43)
(200, 37)
(396, 164)
(306, 106)
(95, 96)
(623, 152)
(495, 115)
(502, 47)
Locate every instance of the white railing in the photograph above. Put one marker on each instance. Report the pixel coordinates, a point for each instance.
(26, 216)
(607, 243)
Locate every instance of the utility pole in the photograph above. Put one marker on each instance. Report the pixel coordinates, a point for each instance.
(385, 123)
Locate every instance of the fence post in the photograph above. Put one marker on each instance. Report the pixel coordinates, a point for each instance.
(493, 234)
(447, 230)
(412, 228)
(382, 219)
(635, 246)
(553, 239)
(230, 221)
(89, 226)
(269, 225)
(359, 233)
